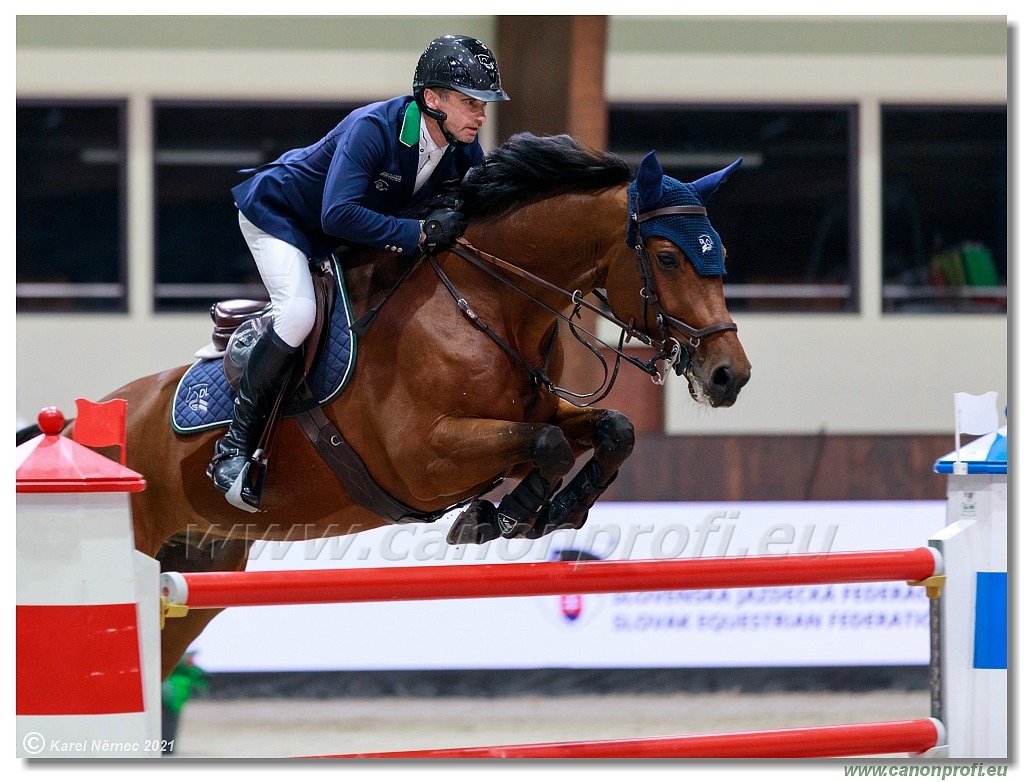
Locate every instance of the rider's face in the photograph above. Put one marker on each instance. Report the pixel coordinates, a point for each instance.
(466, 115)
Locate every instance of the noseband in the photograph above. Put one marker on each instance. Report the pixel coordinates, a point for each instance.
(649, 293)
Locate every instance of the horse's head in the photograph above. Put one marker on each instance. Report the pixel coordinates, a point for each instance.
(678, 272)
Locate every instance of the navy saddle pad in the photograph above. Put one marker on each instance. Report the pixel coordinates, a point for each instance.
(203, 399)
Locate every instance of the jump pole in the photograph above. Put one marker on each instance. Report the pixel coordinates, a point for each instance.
(357, 585)
(829, 741)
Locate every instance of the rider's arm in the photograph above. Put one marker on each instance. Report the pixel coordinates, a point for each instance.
(355, 164)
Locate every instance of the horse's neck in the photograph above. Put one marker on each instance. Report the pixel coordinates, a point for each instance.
(369, 275)
(566, 240)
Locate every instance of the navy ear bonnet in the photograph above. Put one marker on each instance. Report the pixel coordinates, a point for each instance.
(693, 234)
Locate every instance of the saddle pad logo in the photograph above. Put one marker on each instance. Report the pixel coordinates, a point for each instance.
(197, 397)
(707, 244)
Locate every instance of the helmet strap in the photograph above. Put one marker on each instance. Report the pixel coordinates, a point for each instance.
(440, 117)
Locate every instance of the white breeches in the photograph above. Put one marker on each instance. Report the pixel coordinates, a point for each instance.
(285, 272)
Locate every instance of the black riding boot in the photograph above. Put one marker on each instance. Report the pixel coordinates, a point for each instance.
(266, 369)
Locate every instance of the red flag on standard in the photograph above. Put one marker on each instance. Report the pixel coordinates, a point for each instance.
(100, 424)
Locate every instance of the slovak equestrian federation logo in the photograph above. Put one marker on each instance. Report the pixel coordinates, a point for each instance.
(573, 611)
(707, 244)
(571, 606)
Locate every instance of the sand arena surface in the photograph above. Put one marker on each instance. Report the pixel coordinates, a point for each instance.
(286, 727)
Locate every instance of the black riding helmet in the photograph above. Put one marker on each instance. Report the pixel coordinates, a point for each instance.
(460, 63)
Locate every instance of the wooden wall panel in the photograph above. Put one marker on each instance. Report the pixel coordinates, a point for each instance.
(753, 467)
(552, 67)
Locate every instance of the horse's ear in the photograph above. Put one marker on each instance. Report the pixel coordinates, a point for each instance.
(706, 186)
(649, 180)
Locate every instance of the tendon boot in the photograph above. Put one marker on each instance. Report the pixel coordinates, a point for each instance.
(519, 509)
(266, 371)
(571, 506)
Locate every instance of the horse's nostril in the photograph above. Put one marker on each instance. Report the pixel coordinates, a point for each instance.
(722, 377)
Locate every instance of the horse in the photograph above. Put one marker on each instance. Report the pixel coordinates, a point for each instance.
(455, 382)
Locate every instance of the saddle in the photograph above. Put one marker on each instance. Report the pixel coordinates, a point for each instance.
(237, 323)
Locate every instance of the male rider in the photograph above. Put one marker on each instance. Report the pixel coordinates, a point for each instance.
(348, 187)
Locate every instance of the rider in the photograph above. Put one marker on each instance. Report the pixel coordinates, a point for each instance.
(347, 188)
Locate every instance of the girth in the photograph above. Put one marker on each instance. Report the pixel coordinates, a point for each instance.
(352, 472)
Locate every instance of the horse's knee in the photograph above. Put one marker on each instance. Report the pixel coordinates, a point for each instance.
(552, 453)
(615, 435)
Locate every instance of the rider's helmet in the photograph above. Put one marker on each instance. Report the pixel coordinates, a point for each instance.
(460, 63)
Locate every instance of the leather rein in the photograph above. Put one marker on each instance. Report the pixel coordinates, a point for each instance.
(676, 355)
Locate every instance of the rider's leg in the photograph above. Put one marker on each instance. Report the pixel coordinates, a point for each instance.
(266, 369)
(285, 272)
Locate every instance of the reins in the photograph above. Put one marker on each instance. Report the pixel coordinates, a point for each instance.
(575, 297)
(669, 349)
(675, 355)
(539, 374)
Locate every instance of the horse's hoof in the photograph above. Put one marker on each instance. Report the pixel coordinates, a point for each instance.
(476, 524)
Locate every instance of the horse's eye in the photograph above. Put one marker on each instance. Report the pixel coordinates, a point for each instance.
(668, 260)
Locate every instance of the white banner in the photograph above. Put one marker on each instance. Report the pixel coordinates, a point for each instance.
(836, 624)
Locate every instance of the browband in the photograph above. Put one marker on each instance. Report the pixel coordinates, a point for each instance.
(672, 210)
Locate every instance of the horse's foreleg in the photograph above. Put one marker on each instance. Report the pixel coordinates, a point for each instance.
(494, 448)
(611, 436)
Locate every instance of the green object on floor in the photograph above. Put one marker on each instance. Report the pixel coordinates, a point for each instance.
(186, 679)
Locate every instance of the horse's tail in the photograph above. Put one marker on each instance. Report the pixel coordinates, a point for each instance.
(26, 434)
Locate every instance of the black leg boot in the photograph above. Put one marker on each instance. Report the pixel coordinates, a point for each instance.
(519, 509)
(266, 370)
(570, 507)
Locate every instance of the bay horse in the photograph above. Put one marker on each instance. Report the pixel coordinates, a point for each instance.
(455, 385)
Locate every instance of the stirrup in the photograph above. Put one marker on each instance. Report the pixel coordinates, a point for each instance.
(243, 494)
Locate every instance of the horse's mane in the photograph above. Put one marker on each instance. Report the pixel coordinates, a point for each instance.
(529, 168)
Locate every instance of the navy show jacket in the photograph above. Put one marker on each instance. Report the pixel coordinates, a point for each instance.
(348, 186)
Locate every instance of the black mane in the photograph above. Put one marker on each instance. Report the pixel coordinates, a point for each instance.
(529, 168)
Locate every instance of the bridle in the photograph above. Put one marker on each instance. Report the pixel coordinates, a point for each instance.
(649, 292)
(674, 354)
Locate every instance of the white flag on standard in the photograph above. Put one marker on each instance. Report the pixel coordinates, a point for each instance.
(976, 414)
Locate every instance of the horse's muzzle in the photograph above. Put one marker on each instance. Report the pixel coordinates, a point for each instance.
(720, 386)
(725, 384)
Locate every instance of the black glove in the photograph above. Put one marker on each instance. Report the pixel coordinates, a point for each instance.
(441, 229)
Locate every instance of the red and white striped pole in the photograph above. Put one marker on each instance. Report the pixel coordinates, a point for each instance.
(87, 641)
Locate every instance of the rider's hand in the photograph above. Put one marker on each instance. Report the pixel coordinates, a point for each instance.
(441, 229)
